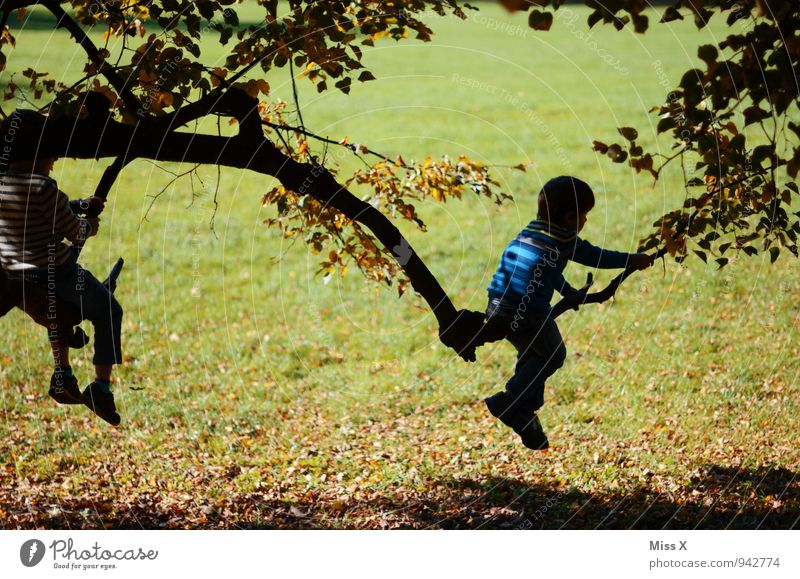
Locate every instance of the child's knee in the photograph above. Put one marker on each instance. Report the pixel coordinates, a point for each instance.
(107, 310)
(560, 355)
(116, 309)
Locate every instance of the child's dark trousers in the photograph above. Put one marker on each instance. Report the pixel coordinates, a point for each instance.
(540, 351)
(71, 283)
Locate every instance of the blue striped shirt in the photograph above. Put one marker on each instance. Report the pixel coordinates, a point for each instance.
(533, 264)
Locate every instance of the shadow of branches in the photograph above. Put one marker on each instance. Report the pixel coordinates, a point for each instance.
(718, 498)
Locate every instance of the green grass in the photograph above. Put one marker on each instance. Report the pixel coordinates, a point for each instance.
(255, 395)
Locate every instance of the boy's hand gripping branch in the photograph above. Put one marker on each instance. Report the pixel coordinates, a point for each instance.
(487, 332)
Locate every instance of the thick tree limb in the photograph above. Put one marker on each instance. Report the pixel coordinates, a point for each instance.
(9, 5)
(100, 136)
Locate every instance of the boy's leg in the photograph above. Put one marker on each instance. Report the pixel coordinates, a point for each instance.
(540, 352)
(63, 384)
(97, 304)
(60, 353)
(103, 372)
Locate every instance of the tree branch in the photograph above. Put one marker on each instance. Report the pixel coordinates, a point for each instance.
(101, 136)
(66, 22)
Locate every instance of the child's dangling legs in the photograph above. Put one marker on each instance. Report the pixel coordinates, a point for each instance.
(540, 352)
(79, 287)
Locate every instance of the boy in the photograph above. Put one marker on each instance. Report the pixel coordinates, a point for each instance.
(35, 218)
(530, 270)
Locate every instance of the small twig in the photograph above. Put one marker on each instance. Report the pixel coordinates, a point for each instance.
(352, 148)
(155, 197)
(294, 93)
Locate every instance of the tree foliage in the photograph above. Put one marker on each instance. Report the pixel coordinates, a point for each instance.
(732, 122)
(138, 93)
(162, 68)
(137, 96)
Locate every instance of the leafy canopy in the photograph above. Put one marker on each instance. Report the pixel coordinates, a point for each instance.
(731, 121)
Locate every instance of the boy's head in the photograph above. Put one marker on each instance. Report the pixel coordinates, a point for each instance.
(22, 136)
(42, 165)
(565, 201)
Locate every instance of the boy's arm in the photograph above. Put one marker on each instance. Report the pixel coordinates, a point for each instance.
(593, 256)
(563, 287)
(91, 206)
(64, 220)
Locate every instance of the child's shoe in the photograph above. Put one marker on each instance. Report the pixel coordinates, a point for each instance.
(64, 388)
(100, 400)
(500, 405)
(526, 426)
(533, 436)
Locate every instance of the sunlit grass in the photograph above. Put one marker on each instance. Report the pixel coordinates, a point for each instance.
(246, 374)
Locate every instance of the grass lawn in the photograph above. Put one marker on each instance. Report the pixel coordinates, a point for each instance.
(254, 395)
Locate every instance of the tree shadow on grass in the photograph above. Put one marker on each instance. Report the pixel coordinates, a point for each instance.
(718, 498)
(721, 498)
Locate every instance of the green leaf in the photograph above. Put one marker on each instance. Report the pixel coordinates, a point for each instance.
(774, 251)
(539, 20)
(671, 14)
(708, 53)
(616, 154)
(629, 133)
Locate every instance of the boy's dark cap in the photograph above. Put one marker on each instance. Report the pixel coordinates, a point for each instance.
(21, 135)
(562, 195)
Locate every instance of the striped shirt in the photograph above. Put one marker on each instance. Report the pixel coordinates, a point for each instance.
(531, 267)
(35, 218)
